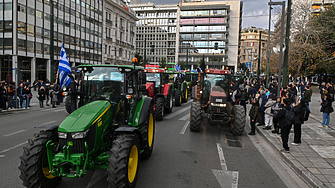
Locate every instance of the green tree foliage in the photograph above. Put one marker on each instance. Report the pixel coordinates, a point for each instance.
(139, 59)
(182, 65)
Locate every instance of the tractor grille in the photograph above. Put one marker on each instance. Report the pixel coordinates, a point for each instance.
(79, 144)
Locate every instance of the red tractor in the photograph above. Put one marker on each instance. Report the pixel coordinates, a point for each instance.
(211, 96)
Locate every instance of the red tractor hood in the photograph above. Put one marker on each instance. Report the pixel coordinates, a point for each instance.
(217, 91)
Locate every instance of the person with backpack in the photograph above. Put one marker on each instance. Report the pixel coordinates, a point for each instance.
(326, 108)
(268, 114)
(253, 113)
(285, 117)
(301, 114)
(274, 110)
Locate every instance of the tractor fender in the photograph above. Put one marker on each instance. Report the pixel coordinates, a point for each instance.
(166, 91)
(132, 130)
(46, 127)
(145, 108)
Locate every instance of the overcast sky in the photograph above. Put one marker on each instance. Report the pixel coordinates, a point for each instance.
(252, 11)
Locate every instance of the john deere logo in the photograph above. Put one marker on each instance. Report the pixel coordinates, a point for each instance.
(70, 143)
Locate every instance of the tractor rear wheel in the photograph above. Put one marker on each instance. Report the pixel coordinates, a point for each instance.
(68, 104)
(149, 135)
(159, 109)
(123, 162)
(195, 117)
(169, 105)
(34, 166)
(238, 122)
(177, 98)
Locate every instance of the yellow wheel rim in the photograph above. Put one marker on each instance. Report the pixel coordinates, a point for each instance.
(151, 130)
(186, 95)
(45, 168)
(180, 98)
(132, 164)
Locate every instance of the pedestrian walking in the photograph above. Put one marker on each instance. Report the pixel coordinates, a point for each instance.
(20, 94)
(25, 97)
(307, 97)
(281, 116)
(267, 112)
(298, 121)
(41, 96)
(10, 95)
(326, 109)
(262, 101)
(3, 96)
(274, 110)
(54, 94)
(253, 113)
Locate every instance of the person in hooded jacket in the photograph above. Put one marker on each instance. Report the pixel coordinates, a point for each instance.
(327, 108)
(253, 113)
(274, 110)
(297, 109)
(285, 129)
(41, 96)
(267, 112)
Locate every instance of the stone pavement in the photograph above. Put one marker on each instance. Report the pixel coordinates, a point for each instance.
(314, 159)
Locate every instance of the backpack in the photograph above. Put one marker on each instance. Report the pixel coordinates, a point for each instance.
(304, 114)
(289, 117)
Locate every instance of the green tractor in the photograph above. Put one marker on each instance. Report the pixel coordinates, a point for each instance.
(212, 96)
(190, 77)
(113, 129)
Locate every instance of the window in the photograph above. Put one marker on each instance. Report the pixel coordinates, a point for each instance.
(38, 14)
(46, 33)
(30, 29)
(1, 26)
(8, 43)
(22, 44)
(31, 11)
(21, 8)
(46, 16)
(30, 46)
(46, 49)
(39, 48)
(1, 8)
(21, 27)
(8, 6)
(8, 26)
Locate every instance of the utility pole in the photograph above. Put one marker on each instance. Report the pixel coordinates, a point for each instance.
(145, 52)
(268, 52)
(52, 61)
(259, 55)
(186, 56)
(287, 41)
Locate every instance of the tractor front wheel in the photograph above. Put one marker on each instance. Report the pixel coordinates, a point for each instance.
(169, 105)
(195, 117)
(68, 104)
(124, 161)
(177, 98)
(149, 135)
(159, 108)
(34, 166)
(238, 122)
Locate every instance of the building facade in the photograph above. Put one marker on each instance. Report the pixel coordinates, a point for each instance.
(119, 35)
(156, 28)
(319, 5)
(25, 36)
(250, 49)
(203, 25)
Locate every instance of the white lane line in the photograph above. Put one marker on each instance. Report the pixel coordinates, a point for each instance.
(185, 127)
(185, 117)
(16, 146)
(2, 156)
(17, 132)
(59, 110)
(98, 175)
(47, 110)
(47, 123)
(177, 113)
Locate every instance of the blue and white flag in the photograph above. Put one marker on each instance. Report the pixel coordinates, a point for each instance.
(64, 69)
(178, 68)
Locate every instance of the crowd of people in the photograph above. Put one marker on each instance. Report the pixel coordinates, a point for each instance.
(12, 97)
(280, 111)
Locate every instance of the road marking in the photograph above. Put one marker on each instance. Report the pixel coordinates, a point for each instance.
(98, 175)
(59, 110)
(2, 156)
(17, 132)
(185, 127)
(185, 117)
(16, 146)
(225, 178)
(177, 113)
(47, 110)
(47, 123)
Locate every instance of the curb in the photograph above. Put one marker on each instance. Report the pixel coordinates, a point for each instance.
(295, 165)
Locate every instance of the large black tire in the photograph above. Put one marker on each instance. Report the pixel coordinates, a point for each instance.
(195, 117)
(121, 173)
(238, 123)
(177, 98)
(34, 165)
(148, 135)
(169, 105)
(159, 108)
(68, 104)
(185, 96)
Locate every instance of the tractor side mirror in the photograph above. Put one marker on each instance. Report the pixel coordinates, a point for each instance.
(142, 77)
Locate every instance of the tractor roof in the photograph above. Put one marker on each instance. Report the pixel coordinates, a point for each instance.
(125, 66)
(217, 71)
(158, 70)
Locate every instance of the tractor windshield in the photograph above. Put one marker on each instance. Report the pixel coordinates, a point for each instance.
(154, 77)
(217, 80)
(103, 83)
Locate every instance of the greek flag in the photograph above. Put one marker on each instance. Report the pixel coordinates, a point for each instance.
(64, 69)
(178, 68)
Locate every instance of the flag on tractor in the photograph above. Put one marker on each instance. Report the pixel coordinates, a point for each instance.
(64, 69)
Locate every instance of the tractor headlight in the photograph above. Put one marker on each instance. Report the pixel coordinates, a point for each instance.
(200, 91)
(130, 90)
(188, 87)
(218, 105)
(62, 135)
(223, 105)
(79, 135)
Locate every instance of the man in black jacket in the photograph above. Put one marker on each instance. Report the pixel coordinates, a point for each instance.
(2, 96)
(285, 128)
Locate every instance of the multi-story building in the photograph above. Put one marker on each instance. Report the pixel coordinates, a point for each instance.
(250, 43)
(201, 25)
(156, 27)
(119, 35)
(319, 5)
(25, 42)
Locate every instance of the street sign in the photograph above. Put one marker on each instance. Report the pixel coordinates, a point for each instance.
(248, 64)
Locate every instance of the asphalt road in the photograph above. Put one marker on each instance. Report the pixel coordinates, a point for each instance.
(181, 158)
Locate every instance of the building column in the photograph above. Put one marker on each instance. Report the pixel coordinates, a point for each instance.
(49, 69)
(15, 70)
(192, 67)
(33, 69)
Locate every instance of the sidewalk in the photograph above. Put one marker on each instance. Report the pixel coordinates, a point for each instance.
(314, 159)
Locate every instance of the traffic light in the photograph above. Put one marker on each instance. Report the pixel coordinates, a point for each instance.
(152, 48)
(216, 46)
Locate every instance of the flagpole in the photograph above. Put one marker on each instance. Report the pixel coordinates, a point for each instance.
(57, 76)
